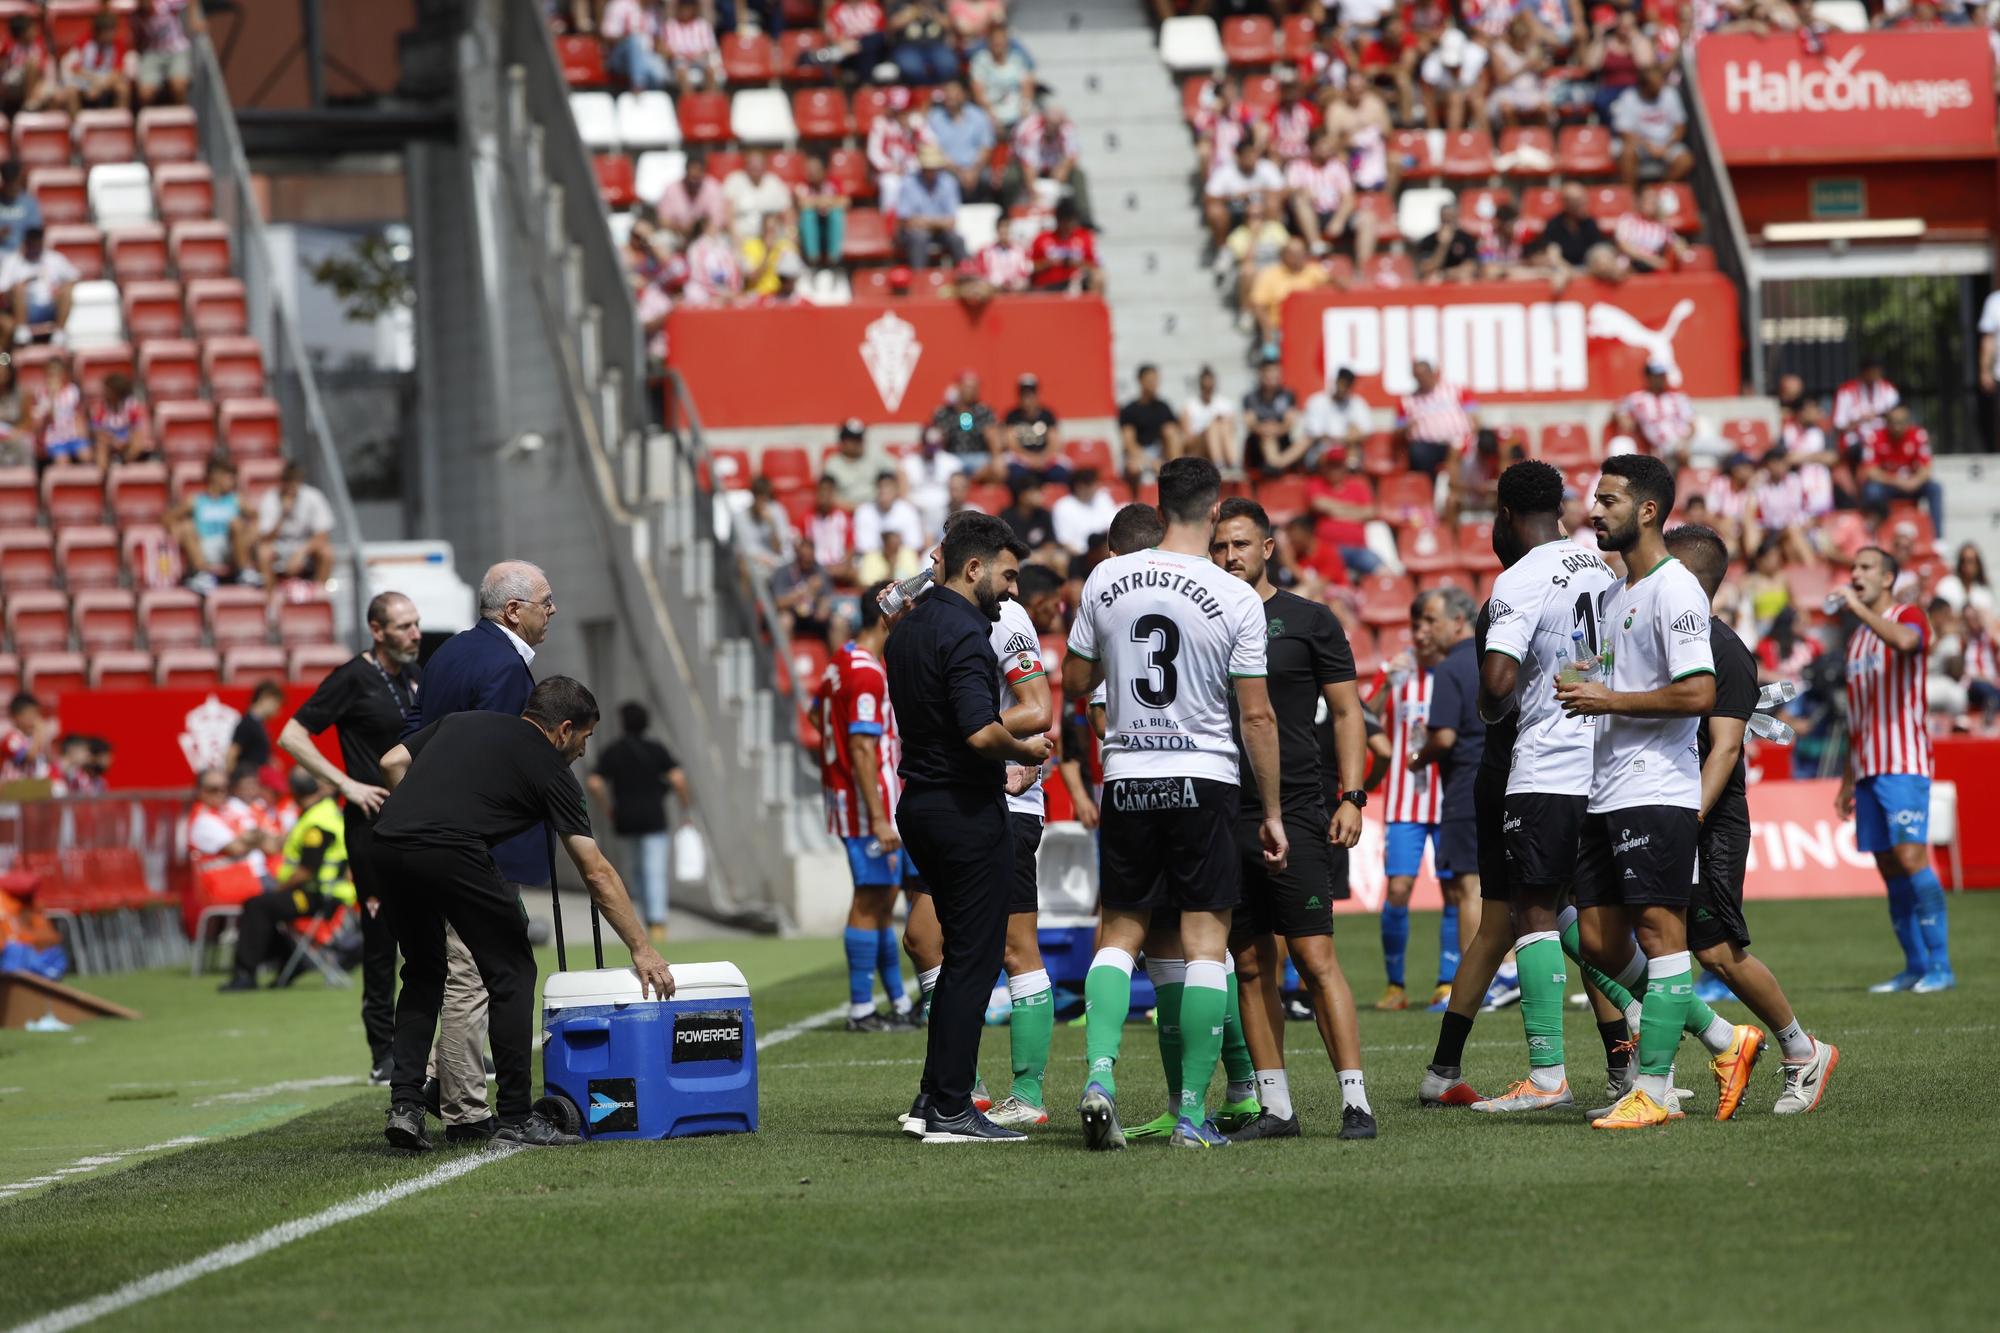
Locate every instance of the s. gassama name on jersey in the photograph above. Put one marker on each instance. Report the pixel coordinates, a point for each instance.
(1209, 604)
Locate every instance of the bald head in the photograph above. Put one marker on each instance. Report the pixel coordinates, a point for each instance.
(396, 627)
(517, 595)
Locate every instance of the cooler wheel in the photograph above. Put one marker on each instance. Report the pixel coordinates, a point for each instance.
(561, 1112)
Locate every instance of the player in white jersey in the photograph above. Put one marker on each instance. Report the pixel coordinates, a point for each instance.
(1170, 634)
(1636, 865)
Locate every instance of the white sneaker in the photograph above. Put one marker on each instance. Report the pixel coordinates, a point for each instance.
(1013, 1113)
(1806, 1083)
(1525, 1096)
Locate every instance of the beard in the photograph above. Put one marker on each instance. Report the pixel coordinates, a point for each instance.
(1619, 540)
(400, 656)
(987, 597)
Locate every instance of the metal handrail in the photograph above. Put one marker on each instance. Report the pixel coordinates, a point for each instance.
(1722, 219)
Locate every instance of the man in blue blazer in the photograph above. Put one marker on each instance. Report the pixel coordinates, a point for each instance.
(484, 669)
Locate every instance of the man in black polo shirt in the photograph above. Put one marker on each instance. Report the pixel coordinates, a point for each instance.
(368, 701)
(944, 685)
(461, 785)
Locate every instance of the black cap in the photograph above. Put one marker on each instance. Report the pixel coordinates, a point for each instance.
(852, 429)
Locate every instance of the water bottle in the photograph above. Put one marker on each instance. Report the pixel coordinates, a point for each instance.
(1777, 694)
(1581, 665)
(1772, 729)
(1835, 603)
(899, 595)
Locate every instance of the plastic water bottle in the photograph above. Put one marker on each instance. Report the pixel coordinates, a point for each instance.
(1581, 666)
(899, 595)
(1777, 694)
(1835, 603)
(1772, 729)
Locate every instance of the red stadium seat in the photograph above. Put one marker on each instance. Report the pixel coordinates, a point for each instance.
(153, 310)
(137, 250)
(107, 136)
(868, 239)
(1540, 204)
(1297, 36)
(184, 479)
(38, 621)
(1512, 442)
(793, 47)
(237, 616)
(808, 661)
(10, 674)
(704, 117)
(1748, 435)
(170, 134)
(1608, 203)
(729, 469)
(41, 139)
(1679, 208)
(1475, 545)
(200, 249)
(1568, 444)
(255, 476)
(1454, 577)
(60, 190)
(218, 307)
(27, 560)
(171, 618)
(582, 61)
(170, 368)
(872, 103)
(20, 500)
(69, 22)
(1584, 150)
(93, 365)
(872, 284)
(1413, 149)
(82, 245)
(253, 664)
(724, 162)
(52, 675)
(184, 431)
(617, 183)
(819, 113)
(188, 669)
(309, 666)
(1477, 206)
(1468, 155)
(89, 557)
(1407, 497)
(1381, 456)
(1698, 259)
(749, 59)
(1385, 599)
(106, 618)
(1527, 139)
(305, 621)
(1425, 548)
(848, 167)
(234, 367)
(1251, 41)
(798, 507)
(73, 493)
(137, 493)
(1096, 454)
(121, 670)
(788, 469)
(1382, 208)
(1388, 270)
(787, 165)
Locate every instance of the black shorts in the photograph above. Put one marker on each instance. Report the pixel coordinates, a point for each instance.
(1715, 912)
(1644, 856)
(1539, 839)
(913, 878)
(1027, 834)
(1456, 851)
(1169, 842)
(1294, 902)
(1489, 803)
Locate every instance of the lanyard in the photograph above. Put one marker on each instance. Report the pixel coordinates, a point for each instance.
(403, 709)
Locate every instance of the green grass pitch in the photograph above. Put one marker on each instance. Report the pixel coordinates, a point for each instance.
(1873, 1213)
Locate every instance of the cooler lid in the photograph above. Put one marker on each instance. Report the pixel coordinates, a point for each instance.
(620, 985)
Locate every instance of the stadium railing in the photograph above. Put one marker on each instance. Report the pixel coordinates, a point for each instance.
(112, 871)
(1723, 221)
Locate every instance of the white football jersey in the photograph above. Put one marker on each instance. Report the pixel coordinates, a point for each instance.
(1655, 632)
(1019, 650)
(1537, 606)
(1170, 631)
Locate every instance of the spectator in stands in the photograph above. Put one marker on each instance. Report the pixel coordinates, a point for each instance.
(693, 56)
(804, 594)
(927, 214)
(767, 538)
(75, 774)
(118, 428)
(1966, 585)
(1149, 434)
(27, 73)
(1862, 405)
(58, 418)
(27, 739)
(1028, 516)
(1294, 272)
(1437, 421)
(959, 496)
(1452, 75)
(1646, 242)
(1084, 513)
(20, 211)
(1663, 416)
(1210, 423)
(1792, 496)
(853, 468)
(1275, 444)
(1451, 253)
(166, 59)
(1316, 565)
(1896, 466)
(1065, 256)
(771, 264)
(964, 132)
(1572, 241)
(1324, 202)
(1003, 82)
(894, 561)
(696, 196)
(971, 19)
(714, 273)
(652, 304)
(1003, 266)
(1503, 254)
(1046, 148)
(921, 43)
(1519, 73)
(822, 211)
(1948, 688)
(1224, 122)
(1360, 122)
(99, 73)
(1294, 122)
(1230, 187)
(212, 530)
(1785, 653)
(1732, 502)
(886, 512)
(971, 429)
(250, 743)
(39, 282)
(630, 30)
(859, 41)
(928, 471)
(294, 531)
(754, 193)
(1651, 124)
(1034, 444)
(1342, 502)
(1614, 56)
(1766, 590)
(223, 828)
(17, 440)
(830, 532)
(894, 142)
(1252, 247)
(1337, 415)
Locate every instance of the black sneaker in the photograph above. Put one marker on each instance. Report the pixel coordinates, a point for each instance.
(384, 1070)
(967, 1127)
(479, 1131)
(912, 1121)
(905, 1021)
(871, 1023)
(1267, 1126)
(535, 1132)
(434, 1097)
(242, 981)
(1356, 1123)
(405, 1129)
(1298, 1011)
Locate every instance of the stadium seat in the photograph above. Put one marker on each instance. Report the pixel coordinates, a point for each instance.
(106, 618)
(137, 251)
(1425, 548)
(170, 368)
(1540, 204)
(1283, 497)
(1608, 203)
(38, 621)
(749, 58)
(1568, 444)
(1407, 497)
(52, 675)
(1418, 209)
(870, 104)
(171, 618)
(121, 670)
(93, 365)
(1526, 150)
(218, 307)
(1191, 45)
(1475, 545)
(252, 428)
(616, 184)
(168, 134)
(793, 48)
(703, 117)
(1842, 15)
(1748, 435)
(1468, 155)
(582, 60)
(647, 120)
(184, 190)
(788, 165)
(1387, 270)
(305, 621)
(727, 469)
(237, 616)
(596, 117)
(1479, 204)
(255, 476)
(10, 674)
(1453, 576)
(788, 468)
(94, 317)
(137, 493)
(1699, 259)
(252, 664)
(64, 194)
(1385, 599)
(184, 431)
(41, 139)
(105, 136)
(82, 245)
(234, 367)
(73, 493)
(1249, 41)
(199, 249)
(1260, 92)
(89, 557)
(819, 113)
(70, 22)
(1678, 206)
(724, 163)
(188, 668)
(27, 560)
(656, 171)
(1584, 150)
(20, 500)
(120, 193)
(309, 666)
(1412, 148)
(153, 310)
(798, 507)
(849, 167)
(868, 240)
(1297, 36)
(1380, 455)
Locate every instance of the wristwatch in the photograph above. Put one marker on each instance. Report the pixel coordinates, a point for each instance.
(1359, 799)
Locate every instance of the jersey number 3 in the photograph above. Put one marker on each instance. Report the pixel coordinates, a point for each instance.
(1161, 683)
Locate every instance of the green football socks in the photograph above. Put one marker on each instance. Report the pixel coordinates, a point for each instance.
(1204, 1010)
(1031, 1028)
(1107, 999)
(1669, 989)
(1544, 979)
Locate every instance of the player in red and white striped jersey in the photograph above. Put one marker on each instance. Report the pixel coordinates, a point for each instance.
(1863, 403)
(1887, 788)
(1413, 802)
(1664, 414)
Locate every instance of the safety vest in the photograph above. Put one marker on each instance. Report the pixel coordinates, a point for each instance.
(321, 826)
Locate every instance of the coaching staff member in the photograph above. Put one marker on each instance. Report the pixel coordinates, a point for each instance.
(368, 702)
(461, 787)
(944, 685)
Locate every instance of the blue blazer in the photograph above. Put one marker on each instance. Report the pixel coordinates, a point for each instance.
(478, 670)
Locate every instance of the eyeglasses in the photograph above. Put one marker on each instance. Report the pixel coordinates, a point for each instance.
(548, 604)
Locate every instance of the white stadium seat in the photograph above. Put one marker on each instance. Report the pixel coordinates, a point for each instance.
(1417, 212)
(647, 120)
(596, 117)
(1842, 15)
(978, 226)
(120, 193)
(621, 227)
(761, 116)
(95, 316)
(1191, 45)
(655, 171)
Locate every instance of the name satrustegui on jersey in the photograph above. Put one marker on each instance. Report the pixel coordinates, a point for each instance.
(1170, 631)
(1653, 632)
(1536, 606)
(1019, 650)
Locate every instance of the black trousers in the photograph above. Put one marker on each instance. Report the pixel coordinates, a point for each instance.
(959, 836)
(424, 887)
(378, 941)
(257, 938)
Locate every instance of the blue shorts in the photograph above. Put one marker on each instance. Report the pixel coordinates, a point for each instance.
(1891, 808)
(874, 868)
(1404, 846)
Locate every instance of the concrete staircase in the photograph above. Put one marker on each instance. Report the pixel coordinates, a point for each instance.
(1101, 62)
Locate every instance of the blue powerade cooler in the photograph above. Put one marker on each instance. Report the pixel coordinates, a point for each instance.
(616, 1065)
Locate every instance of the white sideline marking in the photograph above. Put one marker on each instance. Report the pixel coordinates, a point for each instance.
(229, 1256)
(85, 1165)
(800, 1028)
(288, 1085)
